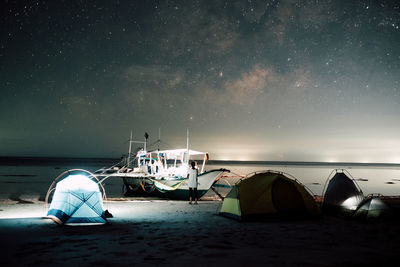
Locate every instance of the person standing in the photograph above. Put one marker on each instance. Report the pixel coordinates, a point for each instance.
(192, 182)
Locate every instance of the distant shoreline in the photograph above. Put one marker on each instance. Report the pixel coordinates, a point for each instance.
(53, 160)
(4, 160)
(305, 163)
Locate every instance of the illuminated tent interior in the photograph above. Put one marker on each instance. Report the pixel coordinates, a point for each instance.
(342, 196)
(269, 195)
(77, 200)
(372, 208)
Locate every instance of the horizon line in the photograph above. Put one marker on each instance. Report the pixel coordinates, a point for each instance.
(227, 161)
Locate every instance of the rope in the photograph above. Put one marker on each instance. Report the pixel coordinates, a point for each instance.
(238, 175)
(144, 189)
(111, 167)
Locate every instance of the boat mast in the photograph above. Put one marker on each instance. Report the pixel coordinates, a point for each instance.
(129, 151)
(159, 138)
(187, 146)
(146, 135)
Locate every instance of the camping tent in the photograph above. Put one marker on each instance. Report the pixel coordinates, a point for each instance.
(372, 208)
(269, 195)
(77, 200)
(342, 195)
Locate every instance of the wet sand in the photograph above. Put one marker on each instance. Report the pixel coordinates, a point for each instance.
(174, 233)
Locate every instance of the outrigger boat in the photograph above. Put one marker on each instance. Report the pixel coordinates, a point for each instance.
(162, 173)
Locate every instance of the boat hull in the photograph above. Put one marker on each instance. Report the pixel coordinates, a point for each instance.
(169, 188)
(180, 194)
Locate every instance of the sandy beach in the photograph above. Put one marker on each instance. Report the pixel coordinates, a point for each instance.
(174, 233)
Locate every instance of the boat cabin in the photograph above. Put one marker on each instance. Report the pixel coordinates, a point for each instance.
(167, 163)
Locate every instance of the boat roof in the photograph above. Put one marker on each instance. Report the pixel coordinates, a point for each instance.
(178, 152)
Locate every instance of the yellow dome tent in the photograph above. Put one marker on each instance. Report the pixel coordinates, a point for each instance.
(269, 194)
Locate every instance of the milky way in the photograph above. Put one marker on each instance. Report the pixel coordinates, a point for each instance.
(251, 80)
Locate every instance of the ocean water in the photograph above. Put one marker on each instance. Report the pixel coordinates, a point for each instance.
(371, 178)
(30, 178)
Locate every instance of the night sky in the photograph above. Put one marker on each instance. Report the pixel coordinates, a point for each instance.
(251, 80)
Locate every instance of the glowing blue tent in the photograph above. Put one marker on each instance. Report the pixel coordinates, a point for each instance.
(77, 200)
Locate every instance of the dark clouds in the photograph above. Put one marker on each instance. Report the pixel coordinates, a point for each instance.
(291, 80)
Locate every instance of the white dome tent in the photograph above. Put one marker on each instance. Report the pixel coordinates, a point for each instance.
(372, 208)
(77, 199)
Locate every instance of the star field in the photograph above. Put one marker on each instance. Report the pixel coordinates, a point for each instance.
(252, 80)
